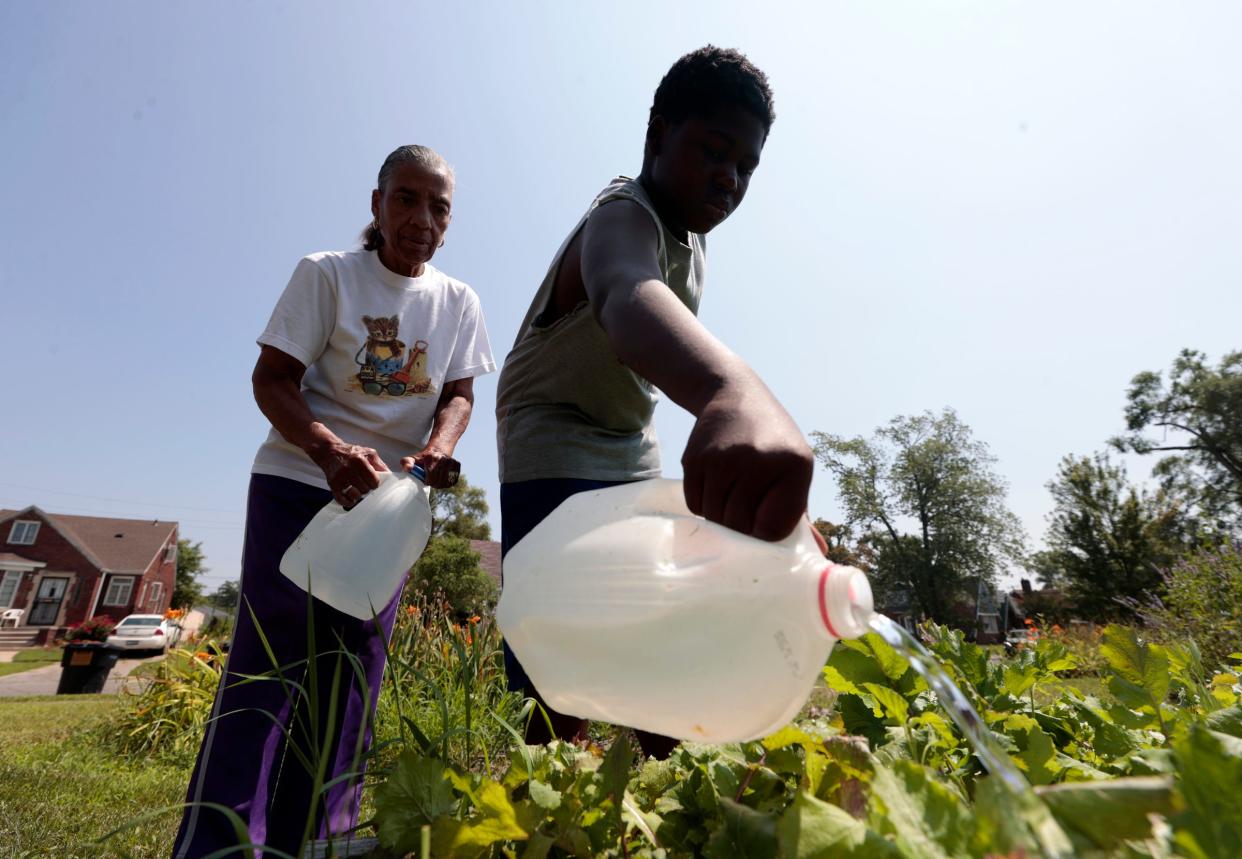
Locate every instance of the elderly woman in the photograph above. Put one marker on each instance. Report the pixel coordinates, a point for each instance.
(366, 365)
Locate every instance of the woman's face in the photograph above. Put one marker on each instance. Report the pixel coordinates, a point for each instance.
(413, 211)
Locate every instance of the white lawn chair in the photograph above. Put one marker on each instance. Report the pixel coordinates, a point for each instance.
(12, 614)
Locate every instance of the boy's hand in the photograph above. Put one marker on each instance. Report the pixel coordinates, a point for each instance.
(747, 465)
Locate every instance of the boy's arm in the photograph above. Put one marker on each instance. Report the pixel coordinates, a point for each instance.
(746, 463)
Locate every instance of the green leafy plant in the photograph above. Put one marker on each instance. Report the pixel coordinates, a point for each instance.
(1147, 767)
(888, 776)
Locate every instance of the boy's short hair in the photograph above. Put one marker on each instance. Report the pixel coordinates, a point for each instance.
(710, 78)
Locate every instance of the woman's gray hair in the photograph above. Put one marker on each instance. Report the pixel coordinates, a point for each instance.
(424, 156)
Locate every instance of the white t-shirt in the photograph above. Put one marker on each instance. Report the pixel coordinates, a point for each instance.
(378, 349)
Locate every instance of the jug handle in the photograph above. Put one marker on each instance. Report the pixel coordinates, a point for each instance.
(417, 471)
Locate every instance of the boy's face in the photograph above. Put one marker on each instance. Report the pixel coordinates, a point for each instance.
(702, 166)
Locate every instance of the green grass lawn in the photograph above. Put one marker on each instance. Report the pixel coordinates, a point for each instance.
(60, 791)
(35, 657)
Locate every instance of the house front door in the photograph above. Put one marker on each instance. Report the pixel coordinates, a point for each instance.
(46, 608)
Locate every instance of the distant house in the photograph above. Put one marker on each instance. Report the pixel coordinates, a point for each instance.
(202, 615)
(898, 605)
(489, 557)
(1051, 604)
(61, 570)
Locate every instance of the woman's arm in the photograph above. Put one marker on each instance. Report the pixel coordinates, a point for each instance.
(351, 470)
(451, 418)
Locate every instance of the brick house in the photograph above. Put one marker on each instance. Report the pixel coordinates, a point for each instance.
(61, 570)
(489, 557)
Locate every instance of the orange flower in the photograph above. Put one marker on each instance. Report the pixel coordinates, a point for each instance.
(410, 610)
(474, 619)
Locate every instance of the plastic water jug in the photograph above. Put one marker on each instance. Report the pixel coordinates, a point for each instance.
(622, 606)
(354, 560)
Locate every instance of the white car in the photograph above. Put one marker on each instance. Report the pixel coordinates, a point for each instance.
(1018, 638)
(144, 632)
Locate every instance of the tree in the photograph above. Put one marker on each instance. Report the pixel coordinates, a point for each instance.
(926, 469)
(891, 575)
(461, 511)
(226, 596)
(1107, 539)
(843, 548)
(1202, 408)
(451, 568)
(1045, 567)
(187, 591)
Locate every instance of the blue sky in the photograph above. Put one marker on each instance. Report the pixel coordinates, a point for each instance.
(1001, 207)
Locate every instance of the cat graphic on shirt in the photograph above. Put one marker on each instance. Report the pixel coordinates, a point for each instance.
(382, 365)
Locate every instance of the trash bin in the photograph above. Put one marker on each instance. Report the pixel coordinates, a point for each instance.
(84, 667)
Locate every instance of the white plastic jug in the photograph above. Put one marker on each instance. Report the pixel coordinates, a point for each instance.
(623, 606)
(354, 560)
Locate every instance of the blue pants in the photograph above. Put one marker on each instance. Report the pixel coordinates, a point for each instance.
(523, 506)
(245, 762)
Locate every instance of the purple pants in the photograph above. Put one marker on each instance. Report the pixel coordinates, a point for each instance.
(251, 757)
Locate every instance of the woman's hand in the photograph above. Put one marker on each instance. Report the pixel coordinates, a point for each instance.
(352, 470)
(442, 470)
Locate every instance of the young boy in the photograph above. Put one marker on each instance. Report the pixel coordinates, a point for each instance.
(615, 318)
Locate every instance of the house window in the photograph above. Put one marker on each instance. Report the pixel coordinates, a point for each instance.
(170, 554)
(119, 590)
(23, 533)
(155, 595)
(9, 580)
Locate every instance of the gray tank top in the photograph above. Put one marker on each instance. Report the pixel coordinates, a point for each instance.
(565, 406)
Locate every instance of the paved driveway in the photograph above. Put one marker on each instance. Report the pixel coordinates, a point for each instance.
(43, 681)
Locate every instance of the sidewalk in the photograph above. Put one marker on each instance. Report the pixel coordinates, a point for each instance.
(43, 681)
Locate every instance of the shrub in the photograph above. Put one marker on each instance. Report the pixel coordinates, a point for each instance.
(444, 690)
(98, 628)
(450, 568)
(1203, 602)
(168, 717)
(1081, 642)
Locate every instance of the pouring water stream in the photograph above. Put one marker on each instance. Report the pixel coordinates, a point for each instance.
(1035, 817)
(953, 702)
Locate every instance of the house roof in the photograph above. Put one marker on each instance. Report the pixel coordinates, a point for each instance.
(114, 545)
(10, 558)
(489, 557)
